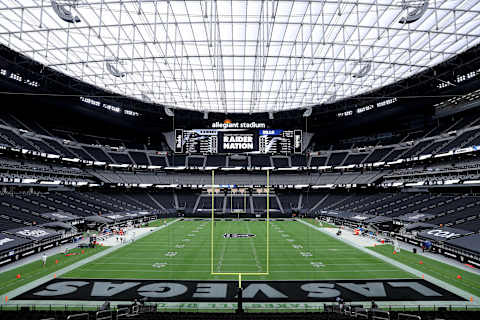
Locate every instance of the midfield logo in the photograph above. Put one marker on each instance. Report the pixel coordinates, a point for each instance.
(238, 235)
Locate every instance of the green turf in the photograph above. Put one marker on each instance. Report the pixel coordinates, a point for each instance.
(35, 270)
(184, 248)
(159, 222)
(469, 282)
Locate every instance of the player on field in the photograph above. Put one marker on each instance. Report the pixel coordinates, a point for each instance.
(44, 260)
(396, 245)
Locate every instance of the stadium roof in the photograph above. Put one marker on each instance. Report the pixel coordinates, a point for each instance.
(240, 56)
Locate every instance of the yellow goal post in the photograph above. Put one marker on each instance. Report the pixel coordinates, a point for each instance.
(212, 222)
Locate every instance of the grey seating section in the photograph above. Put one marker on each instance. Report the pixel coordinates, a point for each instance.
(121, 158)
(458, 141)
(355, 158)
(16, 139)
(299, 160)
(260, 161)
(216, 161)
(42, 146)
(336, 158)
(158, 161)
(195, 161)
(417, 148)
(140, 158)
(177, 161)
(81, 154)
(394, 155)
(61, 148)
(377, 155)
(98, 154)
(280, 162)
(317, 161)
(6, 224)
(238, 162)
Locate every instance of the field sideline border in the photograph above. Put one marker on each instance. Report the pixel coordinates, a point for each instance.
(429, 278)
(28, 286)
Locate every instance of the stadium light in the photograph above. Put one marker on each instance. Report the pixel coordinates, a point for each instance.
(307, 112)
(365, 67)
(417, 10)
(114, 71)
(168, 111)
(63, 13)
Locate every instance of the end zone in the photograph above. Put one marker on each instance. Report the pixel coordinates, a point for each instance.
(225, 291)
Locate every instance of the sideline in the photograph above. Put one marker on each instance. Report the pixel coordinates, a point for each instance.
(464, 294)
(28, 286)
(408, 247)
(439, 257)
(37, 256)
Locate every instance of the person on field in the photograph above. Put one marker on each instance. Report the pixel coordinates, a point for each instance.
(44, 259)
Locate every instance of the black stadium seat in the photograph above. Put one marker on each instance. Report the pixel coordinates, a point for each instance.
(158, 161)
(140, 158)
(216, 161)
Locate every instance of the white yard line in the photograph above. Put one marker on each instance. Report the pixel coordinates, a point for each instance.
(255, 256)
(222, 255)
(400, 265)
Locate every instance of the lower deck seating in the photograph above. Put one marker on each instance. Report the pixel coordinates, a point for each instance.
(457, 210)
(6, 224)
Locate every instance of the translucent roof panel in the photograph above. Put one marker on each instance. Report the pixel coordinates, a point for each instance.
(236, 55)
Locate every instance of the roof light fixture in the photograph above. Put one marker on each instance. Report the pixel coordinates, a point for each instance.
(64, 13)
(415, 10)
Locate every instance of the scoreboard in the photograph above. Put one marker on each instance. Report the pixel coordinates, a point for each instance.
(221, 141)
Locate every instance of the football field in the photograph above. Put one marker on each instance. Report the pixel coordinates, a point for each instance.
(183, 251)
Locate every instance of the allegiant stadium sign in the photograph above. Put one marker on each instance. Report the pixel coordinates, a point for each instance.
(238, 125)
(226, 291)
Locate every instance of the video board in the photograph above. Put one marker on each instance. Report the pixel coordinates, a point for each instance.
(222, 141)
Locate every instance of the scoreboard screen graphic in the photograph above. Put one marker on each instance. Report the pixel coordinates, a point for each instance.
(212, 141)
